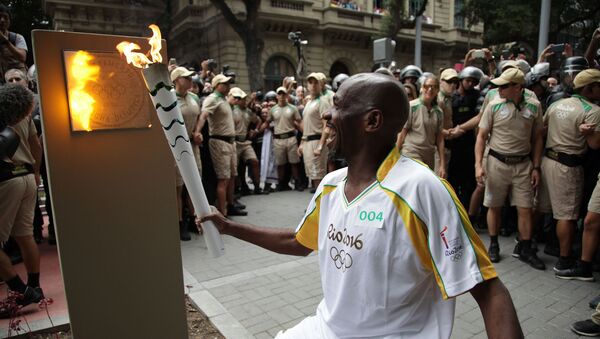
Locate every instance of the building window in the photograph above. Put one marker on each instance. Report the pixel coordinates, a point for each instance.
(337, 68)
(459, 19)
(277, 68)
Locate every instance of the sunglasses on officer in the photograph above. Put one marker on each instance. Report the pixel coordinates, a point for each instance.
(451, 81)
(430, 87)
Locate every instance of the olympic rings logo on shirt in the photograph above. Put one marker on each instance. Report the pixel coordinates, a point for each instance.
(341, 259)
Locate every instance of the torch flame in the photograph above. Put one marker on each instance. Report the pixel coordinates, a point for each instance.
(155, 44)
(81, 103)
(140, 60)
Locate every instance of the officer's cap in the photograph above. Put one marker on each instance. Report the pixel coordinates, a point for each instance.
(448, 74)
(237, 92)
(511, 75)
(181, 72)
(586, 77)
(220, 79)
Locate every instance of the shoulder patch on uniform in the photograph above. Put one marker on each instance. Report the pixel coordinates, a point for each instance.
(532, 107)
(586, 105)
(496, 107)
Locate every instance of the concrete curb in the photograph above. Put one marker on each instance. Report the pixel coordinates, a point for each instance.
(214, 310)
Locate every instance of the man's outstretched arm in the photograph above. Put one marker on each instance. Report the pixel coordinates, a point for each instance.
(282, 241)
(498, 311)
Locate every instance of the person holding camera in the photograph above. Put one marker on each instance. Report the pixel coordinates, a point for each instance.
(481, 58)
(19, 178)
(13, 48)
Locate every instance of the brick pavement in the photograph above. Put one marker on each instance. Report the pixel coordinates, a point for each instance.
(253, 293)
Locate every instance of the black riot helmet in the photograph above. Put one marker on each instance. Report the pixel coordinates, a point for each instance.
(271, 96)
(571, 67)
(471, 72)
(337, 80)
(410, 71)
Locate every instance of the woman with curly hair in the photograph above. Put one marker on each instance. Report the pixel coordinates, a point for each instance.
(19, 178)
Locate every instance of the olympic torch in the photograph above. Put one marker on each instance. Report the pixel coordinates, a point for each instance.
(162, 93)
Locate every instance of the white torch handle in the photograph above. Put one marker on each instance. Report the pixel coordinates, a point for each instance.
(165, 101)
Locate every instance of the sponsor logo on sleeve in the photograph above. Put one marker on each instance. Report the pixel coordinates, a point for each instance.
(453, 247)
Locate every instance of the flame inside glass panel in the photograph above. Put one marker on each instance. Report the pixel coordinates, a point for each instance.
(81, 103)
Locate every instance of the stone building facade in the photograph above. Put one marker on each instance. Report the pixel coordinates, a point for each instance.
(339, 39)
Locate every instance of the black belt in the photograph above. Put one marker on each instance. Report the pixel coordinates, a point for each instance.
(571, 160)
(9, 171)
(284, 135)
(224, 138)
(240, 138)
(312, 137)
(509, 159)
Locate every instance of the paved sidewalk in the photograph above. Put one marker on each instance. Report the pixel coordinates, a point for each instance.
(253, 293)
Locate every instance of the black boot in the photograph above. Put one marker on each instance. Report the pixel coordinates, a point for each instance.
(184, 235)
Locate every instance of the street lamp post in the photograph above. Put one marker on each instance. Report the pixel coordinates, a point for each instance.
(544, 25)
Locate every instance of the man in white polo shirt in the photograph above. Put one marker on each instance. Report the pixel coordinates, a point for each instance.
(394, 244)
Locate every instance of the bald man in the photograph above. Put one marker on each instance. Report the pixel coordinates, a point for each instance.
(391, 261)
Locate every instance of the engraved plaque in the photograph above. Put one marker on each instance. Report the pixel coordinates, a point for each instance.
(105, 92)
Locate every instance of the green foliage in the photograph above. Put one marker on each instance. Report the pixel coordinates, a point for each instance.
(398, 15)
(518, 20)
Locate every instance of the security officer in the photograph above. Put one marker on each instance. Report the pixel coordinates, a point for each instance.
(561, 189)
(422, 135)
(187, 102)
(243, 118)
(217, 111)
(461, 173)
(515, 129)
(287, 120)
(410, 74)
(313, 147)
(569, 70)
(536, 81)
(448, 85)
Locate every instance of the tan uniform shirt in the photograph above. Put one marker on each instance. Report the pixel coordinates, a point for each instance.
(493, 94)
(190, 111)
(511, 127)
(24, 129)
(328, 96)
(312, 114)
(445, 104)
(423, 126)
(284, 118)
(563, 119)
(242, 119)
(220, 116)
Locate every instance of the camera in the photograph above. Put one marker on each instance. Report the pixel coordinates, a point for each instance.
(212, 65)
(478, 54)
(558, 48)
(296, 38)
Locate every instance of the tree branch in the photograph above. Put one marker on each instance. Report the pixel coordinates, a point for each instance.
(589, 15)
(237, 25)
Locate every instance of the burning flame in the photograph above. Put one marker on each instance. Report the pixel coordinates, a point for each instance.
(80, 102)
(141, 60)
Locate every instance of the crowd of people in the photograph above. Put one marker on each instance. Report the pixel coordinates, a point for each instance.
(514, 139)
